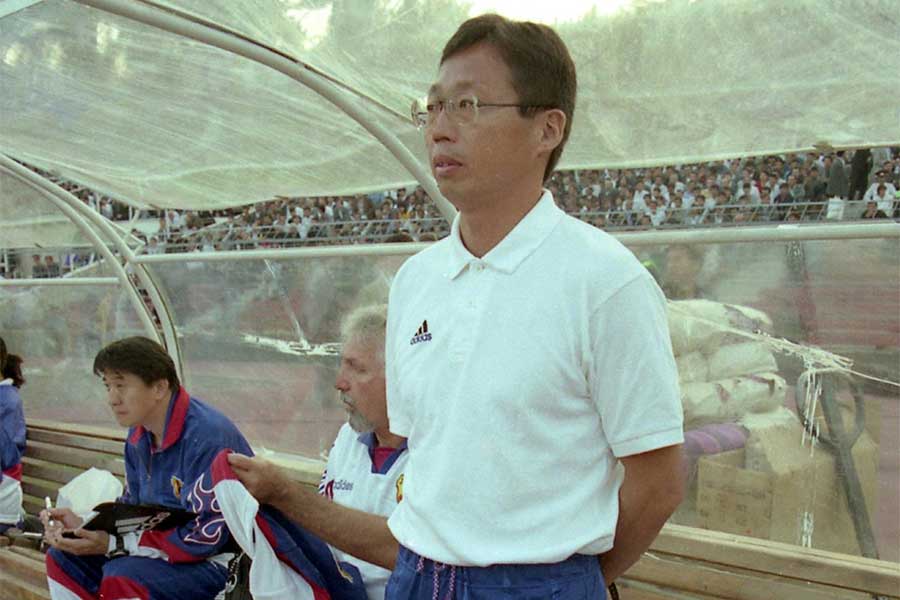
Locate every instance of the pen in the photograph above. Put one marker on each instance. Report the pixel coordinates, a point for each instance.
(49, 506)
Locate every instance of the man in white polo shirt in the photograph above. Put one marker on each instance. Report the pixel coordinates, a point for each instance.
(528, 355)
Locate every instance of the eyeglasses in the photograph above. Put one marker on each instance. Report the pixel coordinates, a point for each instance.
(462, 111)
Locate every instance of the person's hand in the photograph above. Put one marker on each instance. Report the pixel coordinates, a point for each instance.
(56, 520)
(84, 544)
(265, 481)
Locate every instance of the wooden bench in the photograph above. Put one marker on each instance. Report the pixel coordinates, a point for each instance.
(683, 563)
(57, 452)
(54, 455)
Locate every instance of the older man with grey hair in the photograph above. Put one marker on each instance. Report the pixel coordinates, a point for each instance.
(363, 479)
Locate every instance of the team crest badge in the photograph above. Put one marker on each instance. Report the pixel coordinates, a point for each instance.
(400, 488)
(341, 570)
(177, 484)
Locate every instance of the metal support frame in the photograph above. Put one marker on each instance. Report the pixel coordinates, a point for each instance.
(731, 235)
(59, 282)
(193, 28)
(65, 202)
(114, 235)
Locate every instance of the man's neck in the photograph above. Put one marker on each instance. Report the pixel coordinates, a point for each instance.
(156, 422)
(386, 439)
(485, 225)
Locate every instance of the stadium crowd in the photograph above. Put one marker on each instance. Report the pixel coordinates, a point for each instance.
(792, 187)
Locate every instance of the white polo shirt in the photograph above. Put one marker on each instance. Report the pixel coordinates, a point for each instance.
(518, 379)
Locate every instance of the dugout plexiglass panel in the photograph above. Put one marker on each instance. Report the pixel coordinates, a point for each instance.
(751, 324)
(782, 443)
(57, 330)
(260, 339)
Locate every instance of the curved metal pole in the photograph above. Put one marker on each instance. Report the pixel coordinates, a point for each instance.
(59, 282)
(55, 195)
(399, 249)
(726, 235)
(240, 45)
(114, 235)
(774, 233)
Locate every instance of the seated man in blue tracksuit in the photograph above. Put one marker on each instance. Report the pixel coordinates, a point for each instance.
(172, 440)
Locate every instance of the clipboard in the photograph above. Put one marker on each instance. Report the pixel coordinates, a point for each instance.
(119, 518)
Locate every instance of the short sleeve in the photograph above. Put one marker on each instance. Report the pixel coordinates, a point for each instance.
(399, 410)
(633, 378)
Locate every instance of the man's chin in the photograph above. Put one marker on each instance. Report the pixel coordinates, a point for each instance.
(452, 191)
(125, 421)
(360, 427)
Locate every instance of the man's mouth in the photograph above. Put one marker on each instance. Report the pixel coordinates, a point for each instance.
(444, 165)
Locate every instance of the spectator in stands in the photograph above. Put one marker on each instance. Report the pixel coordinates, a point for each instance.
(656, 211)
(50, 266)
(838, 184)
(796, 189)
(106, 208)
(889, 189)
(814, 187)
(782, 202)
(697, 214)
(639, 196)
(154, 247)
(179, 436)
(281, 229)
(174, 221)
(38, 270)
(860, 165)
(677, 213)
(765, 211)
(885, 198)
(750, 191)
(366, 458)
(873, 211)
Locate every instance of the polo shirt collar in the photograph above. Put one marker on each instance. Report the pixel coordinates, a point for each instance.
(369, 440)
(175, 416)
(513, 249)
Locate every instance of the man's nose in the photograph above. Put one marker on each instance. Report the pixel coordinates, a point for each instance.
(340, 382)
(442, 128)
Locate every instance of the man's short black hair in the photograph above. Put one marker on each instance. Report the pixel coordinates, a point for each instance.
(543, 73)
(138, 356)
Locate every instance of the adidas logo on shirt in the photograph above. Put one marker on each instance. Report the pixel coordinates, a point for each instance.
(422, 334)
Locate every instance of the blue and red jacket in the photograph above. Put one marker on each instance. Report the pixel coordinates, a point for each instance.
(12, 432)
(10, 459)
(12, 418)
(172, 475)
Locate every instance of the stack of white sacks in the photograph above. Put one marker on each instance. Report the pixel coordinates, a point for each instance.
(724, 376)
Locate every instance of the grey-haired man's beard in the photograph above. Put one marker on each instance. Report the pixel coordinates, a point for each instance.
(357, 421)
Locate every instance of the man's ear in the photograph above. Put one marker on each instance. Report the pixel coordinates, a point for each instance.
(553, 127)
(161, 389)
